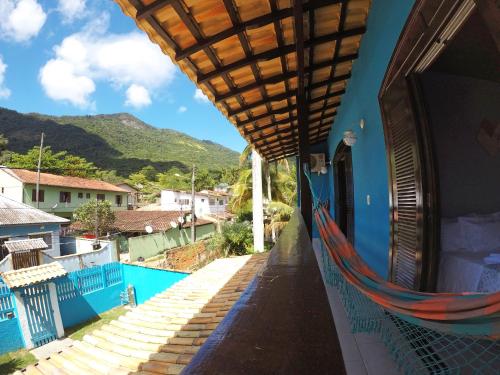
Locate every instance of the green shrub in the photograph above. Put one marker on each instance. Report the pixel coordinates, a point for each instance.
(234, 239)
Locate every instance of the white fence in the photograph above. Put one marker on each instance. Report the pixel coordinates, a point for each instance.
(86, 257)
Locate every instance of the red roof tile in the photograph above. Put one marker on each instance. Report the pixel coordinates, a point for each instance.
(136, 221)
(30, 177)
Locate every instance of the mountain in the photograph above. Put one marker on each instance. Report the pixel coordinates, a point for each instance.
(118, 141)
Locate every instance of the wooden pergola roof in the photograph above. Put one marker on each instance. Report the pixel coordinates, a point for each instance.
(268, 65)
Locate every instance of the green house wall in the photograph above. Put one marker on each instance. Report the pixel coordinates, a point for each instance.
(51, 198)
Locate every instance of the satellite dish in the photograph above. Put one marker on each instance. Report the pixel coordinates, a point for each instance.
(149, 229)
(173, 224)
(54, 206)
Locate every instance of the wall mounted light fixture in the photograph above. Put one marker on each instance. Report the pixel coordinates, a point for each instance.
(362, 123)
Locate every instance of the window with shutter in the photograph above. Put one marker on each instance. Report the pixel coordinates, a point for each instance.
(413, 193)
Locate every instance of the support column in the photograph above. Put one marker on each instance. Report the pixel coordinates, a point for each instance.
(302, 116)
(55, 308)
(258, 209)
(23, 320)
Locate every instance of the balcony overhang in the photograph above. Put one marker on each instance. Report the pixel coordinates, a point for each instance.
(275, 70)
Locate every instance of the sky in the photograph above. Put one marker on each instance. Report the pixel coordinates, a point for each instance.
(78, 57)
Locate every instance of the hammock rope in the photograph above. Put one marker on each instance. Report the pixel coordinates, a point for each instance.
(474, 314)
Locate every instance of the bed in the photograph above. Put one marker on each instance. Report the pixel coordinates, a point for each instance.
(467, 245)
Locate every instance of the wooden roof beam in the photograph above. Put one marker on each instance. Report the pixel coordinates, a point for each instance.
(254, 23)
(280, 97)
(284, 121)
(277, 52)
(149, 9)
(288, 75)
(284, 131)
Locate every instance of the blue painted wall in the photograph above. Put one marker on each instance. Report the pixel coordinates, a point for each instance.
(10, 336)
(23, 230)
(85, 307)
(148, 282)
(385, 22)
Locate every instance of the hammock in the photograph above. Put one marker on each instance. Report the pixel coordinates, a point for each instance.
(473, 314)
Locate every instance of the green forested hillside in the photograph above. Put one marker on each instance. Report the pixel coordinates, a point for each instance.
(118, 142)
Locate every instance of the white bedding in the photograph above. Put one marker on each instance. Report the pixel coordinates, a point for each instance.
(465, 271)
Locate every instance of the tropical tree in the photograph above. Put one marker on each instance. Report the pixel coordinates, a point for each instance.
(94, 214)
(59, 162)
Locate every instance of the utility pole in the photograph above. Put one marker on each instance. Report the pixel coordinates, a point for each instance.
(38, 173)
(193, 212)
(96, 242)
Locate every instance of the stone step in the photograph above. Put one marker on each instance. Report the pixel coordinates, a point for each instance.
(113, 347)
(107, 358)
(134, 335)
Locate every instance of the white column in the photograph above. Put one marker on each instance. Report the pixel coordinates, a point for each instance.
(258, 210)
(23, 320)
(55, 309)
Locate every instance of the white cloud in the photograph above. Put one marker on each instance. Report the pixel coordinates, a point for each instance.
(71, 9)
(129, 61)
(21, 20)
(62, 82)
(4, 91)
(199, 96)
(137, 96)
(182, 109)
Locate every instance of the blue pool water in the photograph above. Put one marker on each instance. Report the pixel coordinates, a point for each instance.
(148, 281)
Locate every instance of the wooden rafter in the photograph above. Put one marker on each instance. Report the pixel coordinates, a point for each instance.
(278, 52)
(279, 88)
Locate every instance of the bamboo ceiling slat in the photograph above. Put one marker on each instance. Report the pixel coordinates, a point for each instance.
(243, 55)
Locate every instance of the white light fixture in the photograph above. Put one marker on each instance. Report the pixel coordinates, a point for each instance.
(149, 229)
(362, 123)
(323, 170)
(349, 138)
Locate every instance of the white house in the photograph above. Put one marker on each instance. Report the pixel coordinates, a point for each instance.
(178, 200)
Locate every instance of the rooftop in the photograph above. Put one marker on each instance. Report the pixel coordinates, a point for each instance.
(33, 275)
(16, 213)
(136, 221)
(266, 65)
(48, 179)
(25, 245)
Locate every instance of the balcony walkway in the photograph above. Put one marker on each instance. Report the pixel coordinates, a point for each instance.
(162, 335)
(282, 324)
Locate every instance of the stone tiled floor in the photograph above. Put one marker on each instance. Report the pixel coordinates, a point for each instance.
(163, 334)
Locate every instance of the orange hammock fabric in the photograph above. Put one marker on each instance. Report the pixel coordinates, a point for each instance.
(476, 314)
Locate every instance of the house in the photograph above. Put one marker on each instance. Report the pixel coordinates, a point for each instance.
(179, 200)
(19, 221)
(400, 99)
(59, 195)
(207, 202)
(218, 201)
(150, 233)
(134, 196)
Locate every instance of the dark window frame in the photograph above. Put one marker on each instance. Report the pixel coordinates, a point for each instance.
(41, 195)
(65, 197)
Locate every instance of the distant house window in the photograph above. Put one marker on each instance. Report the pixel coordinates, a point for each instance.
(41, 195)
(3, 190)
(211, 201)
(65, 197)
(183, 202)
(221, 203)
(203, 200)
(87, 195)
(101, 197)
(46, 237)
(80, 195)
(118, 200)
